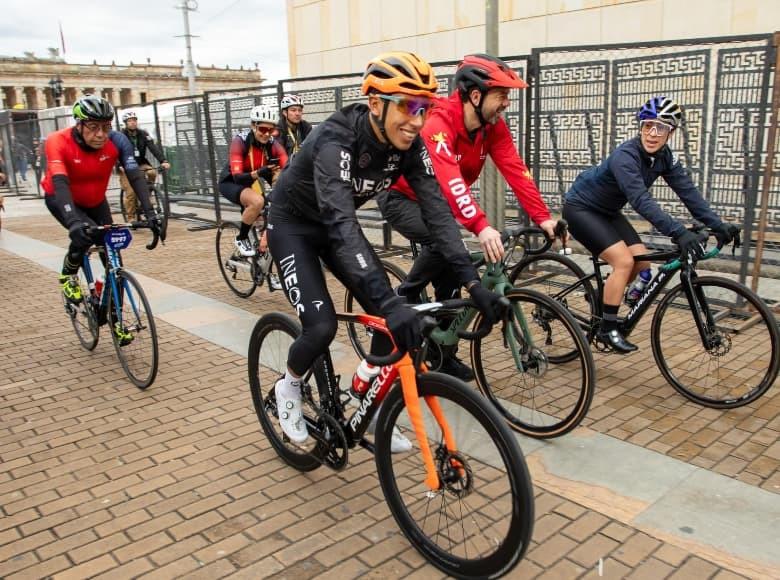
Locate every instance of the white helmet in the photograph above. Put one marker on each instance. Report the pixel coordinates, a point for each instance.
(128, 115)
(264, 113)
(290, 101)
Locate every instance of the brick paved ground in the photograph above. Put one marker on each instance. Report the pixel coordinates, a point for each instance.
(100, 479)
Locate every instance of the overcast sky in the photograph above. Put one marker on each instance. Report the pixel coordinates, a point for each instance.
(230, 32)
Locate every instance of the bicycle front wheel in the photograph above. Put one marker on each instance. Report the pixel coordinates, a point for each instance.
(739, 360)
(133, 329)
(160, 204)
(360, 335)
(236, 269)
(517, 368)
(83, 316)
(478, 524)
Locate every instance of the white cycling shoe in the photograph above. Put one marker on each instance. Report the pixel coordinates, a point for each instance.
(399, 443)
(245, 247)
(291, 415)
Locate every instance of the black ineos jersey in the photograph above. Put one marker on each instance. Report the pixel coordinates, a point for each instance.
(342, 165)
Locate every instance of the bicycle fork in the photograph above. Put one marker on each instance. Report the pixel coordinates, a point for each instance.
(412, 400)
(700, 309)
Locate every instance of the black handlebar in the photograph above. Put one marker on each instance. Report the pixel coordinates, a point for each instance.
(92, 230)
(513, 233)
(428, 323)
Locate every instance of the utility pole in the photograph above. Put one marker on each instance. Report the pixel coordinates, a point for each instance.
(186, 7)
(492, 186)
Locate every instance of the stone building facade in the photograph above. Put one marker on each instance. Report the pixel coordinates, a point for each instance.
(25, 82)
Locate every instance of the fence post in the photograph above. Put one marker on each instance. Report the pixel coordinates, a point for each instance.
(158, 130)
(491, 184)
(212, 158)
(770, 161)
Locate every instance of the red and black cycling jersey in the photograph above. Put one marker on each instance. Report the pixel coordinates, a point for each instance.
(342, 165)
(458, 158)
(87, 170)
(247, 154)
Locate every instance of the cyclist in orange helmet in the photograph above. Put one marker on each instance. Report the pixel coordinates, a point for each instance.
(355, 154)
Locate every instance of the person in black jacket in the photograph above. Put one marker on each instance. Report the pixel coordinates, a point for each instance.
(292, 128)
(352, 156)
(593, 203)
(142, 142)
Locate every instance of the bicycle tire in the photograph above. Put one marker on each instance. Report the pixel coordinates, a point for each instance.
(238, 271)
(83, 316)
(140, 367)
(545, 399)
(360, 335)
(747, 370)
(487, 510)
(557, 276)
(268, 348)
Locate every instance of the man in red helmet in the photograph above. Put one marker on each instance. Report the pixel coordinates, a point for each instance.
(460, 133)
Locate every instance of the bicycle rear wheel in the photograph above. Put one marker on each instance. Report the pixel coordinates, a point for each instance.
(83, 316)
(742, 359)
(268, 348)
(479, 523)
(236, 269)
(537, 396)
(133, 329)
(122, 207)
(560, 278)
(360, 335)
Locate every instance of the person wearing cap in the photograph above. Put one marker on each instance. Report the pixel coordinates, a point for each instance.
(142, 143)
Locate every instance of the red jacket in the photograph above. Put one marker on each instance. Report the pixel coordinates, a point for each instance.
(458, 161)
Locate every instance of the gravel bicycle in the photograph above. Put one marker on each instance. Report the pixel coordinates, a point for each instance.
(714, 340)
(538, 371)
(462, 496)
(118, 301)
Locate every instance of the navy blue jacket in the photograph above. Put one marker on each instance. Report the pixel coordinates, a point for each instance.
(626, 175)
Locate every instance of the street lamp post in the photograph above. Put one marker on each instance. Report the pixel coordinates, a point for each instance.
(56, 89)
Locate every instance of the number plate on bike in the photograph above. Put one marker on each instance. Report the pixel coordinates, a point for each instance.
(118, 239)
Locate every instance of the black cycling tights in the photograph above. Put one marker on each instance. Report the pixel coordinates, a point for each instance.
(98, 215)
(297, 246)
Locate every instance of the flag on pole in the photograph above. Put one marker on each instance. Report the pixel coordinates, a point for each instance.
(62, 38)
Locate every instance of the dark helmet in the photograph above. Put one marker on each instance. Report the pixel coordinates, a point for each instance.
(484, 72)
(93, 108)
(661, 108)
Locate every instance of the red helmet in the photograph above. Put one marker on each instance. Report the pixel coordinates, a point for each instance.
(484, 72)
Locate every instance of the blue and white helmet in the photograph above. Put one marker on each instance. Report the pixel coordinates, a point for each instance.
(662, 108)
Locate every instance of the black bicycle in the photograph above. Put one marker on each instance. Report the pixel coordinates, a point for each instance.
(158, 198)
(119, 301)
(462, 496)
(244, 274)
(714, 340)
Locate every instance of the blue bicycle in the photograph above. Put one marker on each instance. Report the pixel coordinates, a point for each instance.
(120, 302)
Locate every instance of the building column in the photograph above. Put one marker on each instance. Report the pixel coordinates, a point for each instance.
(31, 98)
(12, 96)
(109, 95)
(42, 98)
(125, 97)
(70, 96)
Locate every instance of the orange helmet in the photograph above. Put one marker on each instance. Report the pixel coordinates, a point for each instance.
(399, 72)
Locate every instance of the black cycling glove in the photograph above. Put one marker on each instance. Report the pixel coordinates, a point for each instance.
(725, 233)
(690, 245)
(403, 324)
(487, 302)
(78, 234)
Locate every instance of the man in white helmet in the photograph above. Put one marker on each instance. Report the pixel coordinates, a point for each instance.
(253, 155)
(292, 128)
(141, 142)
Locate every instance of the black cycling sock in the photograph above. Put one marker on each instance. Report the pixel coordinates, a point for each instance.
(68, 267)
(244, 232)
(609, 322)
